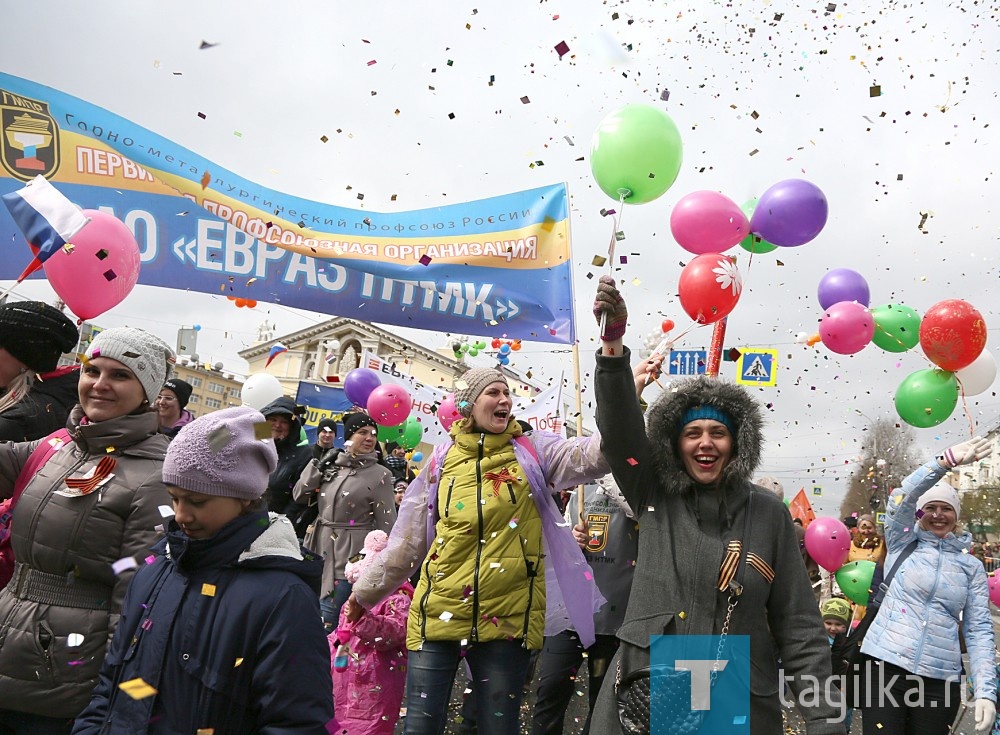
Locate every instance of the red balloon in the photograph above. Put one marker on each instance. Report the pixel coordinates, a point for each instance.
(495, 344)
(667, 325)
(952, 334)
(709, 287)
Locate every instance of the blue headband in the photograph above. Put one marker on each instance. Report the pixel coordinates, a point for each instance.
(707, 412)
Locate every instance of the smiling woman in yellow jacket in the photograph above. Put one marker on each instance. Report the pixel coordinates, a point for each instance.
(497, 563)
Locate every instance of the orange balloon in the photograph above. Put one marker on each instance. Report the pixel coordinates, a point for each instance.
(231, 298)
(240, 303)
(516, 346)
(813, 340)
(251, 304)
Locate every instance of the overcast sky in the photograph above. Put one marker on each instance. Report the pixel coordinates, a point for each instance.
(282, 76)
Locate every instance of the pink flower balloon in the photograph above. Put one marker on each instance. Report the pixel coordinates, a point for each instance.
(846, 327)
(708, 222)
(101, 268)
(389, 404)
(828, 542)
(447, 412)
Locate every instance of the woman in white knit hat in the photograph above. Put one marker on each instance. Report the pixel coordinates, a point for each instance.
(498, 568)
(79, 529)
(938, 593)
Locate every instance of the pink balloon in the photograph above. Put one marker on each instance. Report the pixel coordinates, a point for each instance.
(389, 404)
(994, 584)
(447, 412)
(708, 222)
(101, 268)
(828, 542)
(846, 328)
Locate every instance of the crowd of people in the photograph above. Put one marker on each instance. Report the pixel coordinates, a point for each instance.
(226, 575)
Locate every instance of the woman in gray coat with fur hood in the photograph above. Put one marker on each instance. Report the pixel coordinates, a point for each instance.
(703, 568)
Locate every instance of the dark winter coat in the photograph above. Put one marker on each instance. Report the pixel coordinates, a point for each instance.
(684, 531)
(294, 454)
(228, 631)
(45, 408)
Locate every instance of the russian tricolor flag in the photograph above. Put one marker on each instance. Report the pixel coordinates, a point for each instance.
(47, 219)
(276, 349)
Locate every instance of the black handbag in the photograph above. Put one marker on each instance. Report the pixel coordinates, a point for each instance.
(662, 693)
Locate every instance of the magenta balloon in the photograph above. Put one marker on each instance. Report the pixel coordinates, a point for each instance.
(790, 213)
(447, 412)
(359, 384)
(708, 222)
(842, 284)
(389, 404)
(846, 328)
(101, 268)
(828, 542)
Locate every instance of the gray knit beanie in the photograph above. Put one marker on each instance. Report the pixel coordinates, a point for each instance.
(220, 454)
(471, 384)
(145, 354)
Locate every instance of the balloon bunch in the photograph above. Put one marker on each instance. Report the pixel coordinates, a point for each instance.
(463, 347)
(952, 334)
(828, 542)
(388, 404)
(707, 223)
(240, 303)
(504, 347)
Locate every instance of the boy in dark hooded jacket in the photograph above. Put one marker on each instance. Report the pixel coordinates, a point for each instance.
(221, 632)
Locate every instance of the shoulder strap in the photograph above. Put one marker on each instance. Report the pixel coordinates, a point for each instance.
(38, 457)
(887, 579)
(747, 527)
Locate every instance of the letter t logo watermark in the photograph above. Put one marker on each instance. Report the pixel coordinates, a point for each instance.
(701, 680)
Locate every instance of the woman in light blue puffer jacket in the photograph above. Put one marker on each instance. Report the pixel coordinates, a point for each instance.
(915, 636)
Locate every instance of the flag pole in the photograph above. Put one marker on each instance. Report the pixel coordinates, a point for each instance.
(579, 415)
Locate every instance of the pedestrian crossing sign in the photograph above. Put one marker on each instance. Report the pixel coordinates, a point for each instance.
(757, 366)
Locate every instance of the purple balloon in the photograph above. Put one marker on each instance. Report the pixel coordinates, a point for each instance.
(842, 284)
(359, 384)
(790, 213)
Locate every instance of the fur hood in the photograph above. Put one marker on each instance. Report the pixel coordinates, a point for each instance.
(664, 429)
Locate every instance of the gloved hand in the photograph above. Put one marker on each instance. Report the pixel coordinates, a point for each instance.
(986, 713)
(609, 301)
(966, 452)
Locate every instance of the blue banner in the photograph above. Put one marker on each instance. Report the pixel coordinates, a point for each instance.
(322, 402)
(493, 267)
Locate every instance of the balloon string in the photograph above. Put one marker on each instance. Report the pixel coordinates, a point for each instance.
(965, 407)
(615, 224)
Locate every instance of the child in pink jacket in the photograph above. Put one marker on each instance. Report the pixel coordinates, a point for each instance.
(368, 692)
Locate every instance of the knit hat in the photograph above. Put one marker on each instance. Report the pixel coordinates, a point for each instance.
(944, 493)
(327, 425)
(707, 412)
(836, 609)
(180, 388)
(36, 334)
(354, 421)
(375, 542)
(220, 454)
(474, 382)
(145, 354)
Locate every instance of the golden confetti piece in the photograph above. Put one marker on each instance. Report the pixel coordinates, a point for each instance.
(682, 615)
(598, 261)
(239, 662)
(262, 430)
(205, 731)
(636, 282)
(206, 178)
(208, 589)
(137, 688)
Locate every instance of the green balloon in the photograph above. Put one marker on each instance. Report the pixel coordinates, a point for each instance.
(636, 150)
(413, 432)
(753, 243)
(897, 327)
(390, 433)
(927, 397)
(855, 580)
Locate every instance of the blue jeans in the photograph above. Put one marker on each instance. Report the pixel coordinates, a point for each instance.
(330, 606)
(499, 669)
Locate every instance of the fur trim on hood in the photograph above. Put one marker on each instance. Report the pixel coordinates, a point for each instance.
(664, 429)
